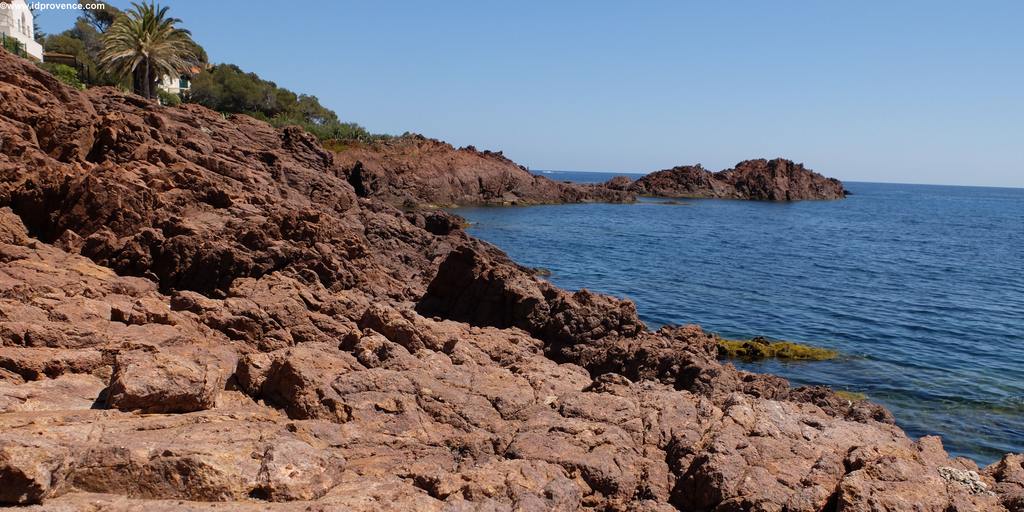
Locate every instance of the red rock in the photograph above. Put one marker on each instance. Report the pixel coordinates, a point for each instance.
(297, 380)
(765, 180)
(12, 231)
(294, 470)
(480, 286)
(64, 393)
(372, 357)
(30, 470)
(415, 170)
(158, 382)
(1008, 477)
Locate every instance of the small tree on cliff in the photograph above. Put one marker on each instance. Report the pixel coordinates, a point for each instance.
(146, 44)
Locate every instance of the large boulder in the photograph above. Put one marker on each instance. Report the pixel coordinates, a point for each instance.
(478, 285)
(159, 382)
(297, 380)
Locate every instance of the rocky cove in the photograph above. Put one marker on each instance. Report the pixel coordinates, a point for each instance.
(200, 312)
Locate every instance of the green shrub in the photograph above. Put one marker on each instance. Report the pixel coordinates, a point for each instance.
(64, 73)
(14, 46)
(226, 88)
(83, 43)
(168, 98)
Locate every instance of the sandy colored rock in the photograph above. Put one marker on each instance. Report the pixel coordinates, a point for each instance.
(64, 393)
(158, 382)
(12, 231)
(30, 470)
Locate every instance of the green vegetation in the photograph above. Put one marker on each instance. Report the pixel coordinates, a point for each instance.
(14, 46)
(761, 348)
(64, 73)
(852, 396)
(226, 88)
(146, 44)
(169, 99)
(133, 49)
(84, 42)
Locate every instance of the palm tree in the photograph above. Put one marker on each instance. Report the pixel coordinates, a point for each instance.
(145, 44)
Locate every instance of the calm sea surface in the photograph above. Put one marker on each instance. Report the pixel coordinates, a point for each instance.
(921, 288)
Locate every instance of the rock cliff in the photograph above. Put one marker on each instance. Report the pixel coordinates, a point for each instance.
(414, 170)
(764, 180)
(200, 312)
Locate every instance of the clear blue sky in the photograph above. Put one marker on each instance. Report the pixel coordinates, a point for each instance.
(907, 91)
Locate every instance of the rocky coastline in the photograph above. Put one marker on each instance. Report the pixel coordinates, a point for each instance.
(206, 313)
(763, 180)
(414, 171)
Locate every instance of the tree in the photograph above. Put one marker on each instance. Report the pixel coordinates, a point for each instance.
(146, 44)
(83, 41)
(38, 34)
(69, 43)
(226, 88)
(99, 15)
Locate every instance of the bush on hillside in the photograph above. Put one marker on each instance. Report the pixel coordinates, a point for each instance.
(64, 73)
(226, 88)
(83, 43)
(168, 98)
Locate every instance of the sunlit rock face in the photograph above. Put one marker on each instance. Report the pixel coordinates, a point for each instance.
(199, 312)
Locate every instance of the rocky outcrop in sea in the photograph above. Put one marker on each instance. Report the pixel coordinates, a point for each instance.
(764, 180)
(201, 313)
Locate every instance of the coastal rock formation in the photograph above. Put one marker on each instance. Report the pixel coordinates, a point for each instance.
(200, 313)
(414, 170)
(764, 180)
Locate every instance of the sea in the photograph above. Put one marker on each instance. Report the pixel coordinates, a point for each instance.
(920, 288)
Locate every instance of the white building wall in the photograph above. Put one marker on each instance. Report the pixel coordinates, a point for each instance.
(16, 21)
(173, 85)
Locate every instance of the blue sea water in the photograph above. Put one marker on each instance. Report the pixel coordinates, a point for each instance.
(921, 288)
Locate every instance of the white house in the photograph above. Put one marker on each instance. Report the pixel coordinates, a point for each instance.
(16, 22)
(179, 85)
(175, 84)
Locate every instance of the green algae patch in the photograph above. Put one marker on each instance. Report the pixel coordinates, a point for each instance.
(852, 396)
(762, 348)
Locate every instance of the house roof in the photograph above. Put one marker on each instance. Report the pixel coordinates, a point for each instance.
(59, 58)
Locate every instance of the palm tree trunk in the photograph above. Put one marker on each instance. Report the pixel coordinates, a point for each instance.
(137, 81)
(149, 83)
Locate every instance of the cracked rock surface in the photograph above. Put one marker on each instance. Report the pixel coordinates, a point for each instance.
(202, 313)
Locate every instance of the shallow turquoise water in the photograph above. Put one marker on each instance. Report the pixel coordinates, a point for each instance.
(920, 287)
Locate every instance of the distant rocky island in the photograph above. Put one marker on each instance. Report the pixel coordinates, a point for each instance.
(763, 180)
(203, 312)
(414, 170)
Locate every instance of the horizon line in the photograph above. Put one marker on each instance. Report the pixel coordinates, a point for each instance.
(640, 173)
